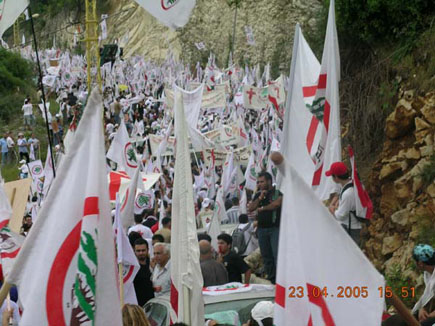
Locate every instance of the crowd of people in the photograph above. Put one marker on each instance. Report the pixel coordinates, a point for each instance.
(247, 252)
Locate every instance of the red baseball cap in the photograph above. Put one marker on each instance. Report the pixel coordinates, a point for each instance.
(337, 168)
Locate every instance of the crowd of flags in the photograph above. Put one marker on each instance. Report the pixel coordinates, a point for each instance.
(69, 259)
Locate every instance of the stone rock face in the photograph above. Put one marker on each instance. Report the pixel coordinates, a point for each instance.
(400, 186)
(211, 22)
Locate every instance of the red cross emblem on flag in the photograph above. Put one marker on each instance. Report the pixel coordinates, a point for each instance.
(250, 93)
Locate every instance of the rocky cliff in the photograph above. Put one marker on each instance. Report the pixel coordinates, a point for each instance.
(272, 23)
(402, 184)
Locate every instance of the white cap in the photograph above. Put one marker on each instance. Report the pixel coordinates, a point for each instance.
(262, 310)
(206, 202)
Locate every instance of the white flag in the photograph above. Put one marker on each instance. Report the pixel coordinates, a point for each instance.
(326, 108)
(172, 13)
(321, 279)
(9, 12)
(251, 173)
(127, 207)
(297, 139)
(126, 257)
(48, 173)
(186, 274)
(68, 263)
(122, 151)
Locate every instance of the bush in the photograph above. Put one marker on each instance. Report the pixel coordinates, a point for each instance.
(15, 83)
(376, 21)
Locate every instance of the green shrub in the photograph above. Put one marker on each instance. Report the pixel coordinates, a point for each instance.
(15, 83)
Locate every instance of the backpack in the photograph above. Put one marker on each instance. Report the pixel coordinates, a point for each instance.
(239, 243)
(353, 213)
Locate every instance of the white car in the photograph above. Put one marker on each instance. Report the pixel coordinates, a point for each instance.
(229, 301)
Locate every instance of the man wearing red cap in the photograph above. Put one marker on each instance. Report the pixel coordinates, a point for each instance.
(345, 207)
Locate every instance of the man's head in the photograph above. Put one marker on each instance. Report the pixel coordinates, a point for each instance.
(264, 181)
(166, 222)
(162, 253)
(235, 201)
(338, 171)
(243, 218)
(225, 242)
(157, 238)
(424, 256)
(205, 249)
(141, 250)
(138, 218)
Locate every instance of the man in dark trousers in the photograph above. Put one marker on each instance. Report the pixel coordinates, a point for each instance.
(142, 282)
(267, 201)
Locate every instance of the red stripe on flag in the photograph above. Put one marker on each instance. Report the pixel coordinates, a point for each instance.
(91, 206)
(174, 298)
(130, 272)
(326, 114)
(320, 301)
(114, 185)
(309, 91)
(275, 104)
(56, 279)
(280, 295)
(12, 254)
(322, 81)
(4, 223)
(317, 176)
(312, 133)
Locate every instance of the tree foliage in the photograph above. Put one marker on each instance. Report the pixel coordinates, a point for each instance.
(15, 83)
(375, 21)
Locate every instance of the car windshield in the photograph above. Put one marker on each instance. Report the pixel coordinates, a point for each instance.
(241, 307)
(156, 313)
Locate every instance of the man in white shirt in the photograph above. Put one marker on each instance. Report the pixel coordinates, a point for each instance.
(29, 119)
(143, 230)
(162, 271)
(344, 207)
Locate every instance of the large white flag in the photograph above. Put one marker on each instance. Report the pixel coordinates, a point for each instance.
(326, 108)
(126, 257)
(68, 259)
(172, 13)
(9, 12)
(185, 269)
(321, 279)
(122, 151)
(251, 173)
(295, 146)
(127, 207)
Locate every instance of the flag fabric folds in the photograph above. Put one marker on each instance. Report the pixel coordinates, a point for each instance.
(326, 109)
(323, 278)
(305, 69)
(185, 269)
(68, 259)
(364, 206)
(9, 12)
(172, 13)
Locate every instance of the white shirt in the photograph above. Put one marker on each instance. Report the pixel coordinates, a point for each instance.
(143, 230)
(250, 239)
(27, 109)
(10, 142)
(162, 277)
(346, 204)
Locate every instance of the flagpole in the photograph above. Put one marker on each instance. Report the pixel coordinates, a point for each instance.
(50, 143)
(121, 284)
(186, 305)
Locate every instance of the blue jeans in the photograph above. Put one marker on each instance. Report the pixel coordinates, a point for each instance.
(268, 242)
(5, 158)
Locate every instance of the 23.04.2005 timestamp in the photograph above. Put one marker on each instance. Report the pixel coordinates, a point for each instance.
(347, 292)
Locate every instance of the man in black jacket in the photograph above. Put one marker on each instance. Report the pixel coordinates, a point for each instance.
(142, 282)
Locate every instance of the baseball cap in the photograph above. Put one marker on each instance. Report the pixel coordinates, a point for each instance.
(206, 202)
(337, 168)
(423, 252)
(262, 310)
